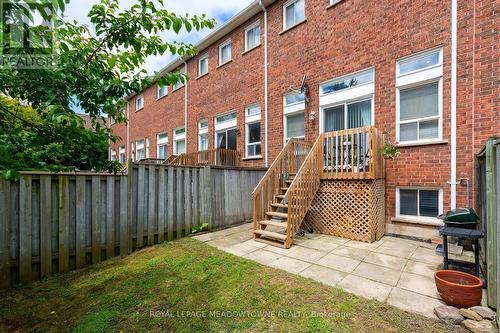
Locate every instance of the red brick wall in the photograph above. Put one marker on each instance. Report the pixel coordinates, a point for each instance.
(332, 42)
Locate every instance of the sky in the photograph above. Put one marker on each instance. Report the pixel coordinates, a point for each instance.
(221, 10)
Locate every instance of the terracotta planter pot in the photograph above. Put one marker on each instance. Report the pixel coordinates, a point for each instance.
(459, 289)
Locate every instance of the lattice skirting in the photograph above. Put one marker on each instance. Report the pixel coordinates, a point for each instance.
(353, 209)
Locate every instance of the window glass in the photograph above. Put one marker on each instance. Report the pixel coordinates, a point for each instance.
(294, 13)
(225, 53)
(419, 102)
(139, 103)
(203, 66)
(227, 139)
(348, 82)
(334, 118)
(253, 110)
(419, 62)
(226, 117)
(179, 83)
(429, 203)
(203, 124)
(408, 202)
(253, 37)
(180, 131)
(203, 144)
(162, 90)
(294, 98)
(408, 132)
(295, 126)
(180, 147)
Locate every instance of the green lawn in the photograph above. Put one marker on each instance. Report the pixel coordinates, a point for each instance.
(178, 278)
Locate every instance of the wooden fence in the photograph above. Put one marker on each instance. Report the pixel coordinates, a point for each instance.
(52, 223)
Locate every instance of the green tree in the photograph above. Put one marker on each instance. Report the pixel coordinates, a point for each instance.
(94, 69)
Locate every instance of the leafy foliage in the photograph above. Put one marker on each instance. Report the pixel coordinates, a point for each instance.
(94, 69)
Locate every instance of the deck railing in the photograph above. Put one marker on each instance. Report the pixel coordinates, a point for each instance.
(288, 161)
(355, 153)
(303, 189)
(217, 156)
(151, 161)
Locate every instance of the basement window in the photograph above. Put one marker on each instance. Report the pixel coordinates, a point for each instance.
(419, 202)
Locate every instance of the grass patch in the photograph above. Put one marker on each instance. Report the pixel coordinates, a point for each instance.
(188, 286)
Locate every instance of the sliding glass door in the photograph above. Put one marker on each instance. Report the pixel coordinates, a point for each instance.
(227, 139)
(348, 115)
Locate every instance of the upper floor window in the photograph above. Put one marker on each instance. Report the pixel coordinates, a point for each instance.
(162, 90)
(180, 83)
(252, 36)
(352, 80)
(419, 89)
(139, 102)
(225, 52)
(293, 13)
(203, 65)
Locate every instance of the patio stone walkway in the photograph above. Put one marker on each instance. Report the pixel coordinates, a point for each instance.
(393, 270)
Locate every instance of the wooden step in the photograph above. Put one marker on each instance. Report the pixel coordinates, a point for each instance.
(270, 234)
(284, 189)
(270, 242)
(289, 181)
(277, 214)
(273, 223)
(279, 205)
(279, 196)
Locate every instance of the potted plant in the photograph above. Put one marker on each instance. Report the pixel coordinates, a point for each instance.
(390, 149)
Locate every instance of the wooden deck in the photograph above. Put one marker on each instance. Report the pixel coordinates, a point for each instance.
(283, 197)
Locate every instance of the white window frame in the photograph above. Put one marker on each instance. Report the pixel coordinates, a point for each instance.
(250, 120)
(158, 96)
(140, 147)
(120, 152)
(179, 84)
(112, 154)
(285, 6)
(132, 149)
(203, 57)
(247, 29)
(418, 217)
(161, 142)
(224, 126)
(147, 147)
(202, 131)
(292, 110)
(417, 78)
(137, 99)
(347, 96)
(221, 46)
(179, 137)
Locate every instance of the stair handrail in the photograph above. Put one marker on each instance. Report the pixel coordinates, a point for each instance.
(272, 181)
(309, 181)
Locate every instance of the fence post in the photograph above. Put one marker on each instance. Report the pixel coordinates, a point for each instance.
(207, 203)
(4, 233)
(491, 226)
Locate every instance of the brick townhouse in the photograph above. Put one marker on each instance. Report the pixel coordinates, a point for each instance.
(425, 72)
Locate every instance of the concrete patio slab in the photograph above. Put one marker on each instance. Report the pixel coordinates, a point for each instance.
(290, 265)
(323, 274)
(306, 254)
(365, 288)
(263, 257)
(321, 244)
(385, 260)
(350, 252)
(378, 273)
(413, 302)
(417, 283)
(393, 270)
(339, 263)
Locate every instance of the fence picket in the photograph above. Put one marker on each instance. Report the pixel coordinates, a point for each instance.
(96, 219)
(140, 205)
(81, 221)
(63, 224)
(124, 217)
(110, 212)
(45, 226)
(25, 216)
(170, 204)
(161, 203)
(4, 233)
(151, 205)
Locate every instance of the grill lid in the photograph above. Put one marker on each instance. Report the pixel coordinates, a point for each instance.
(460, 215)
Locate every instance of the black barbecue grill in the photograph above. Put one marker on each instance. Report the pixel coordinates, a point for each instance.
(460, 218)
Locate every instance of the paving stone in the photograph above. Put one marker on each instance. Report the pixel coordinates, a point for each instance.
(278, 250)
(363, 245)
(418, 283)
(334, 239)
(323, 274)
(449, 314)
(339, 263)
(365, 288)
(351, 252)
(428, 256)
(263, 257)
(240, 249)
(255, 244)
(413, 302)
(321, 244)
(484, 312)
(203, 237)
(223, 243)
(470, 314)
(421, 268)
(290, 265)
(385, 260)
(306, 254)
(377, 273)
(483, 326)
(397, 248)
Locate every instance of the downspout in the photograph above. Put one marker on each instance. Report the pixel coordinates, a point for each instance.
(185, 107)
(453, 107)
(266, 158)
